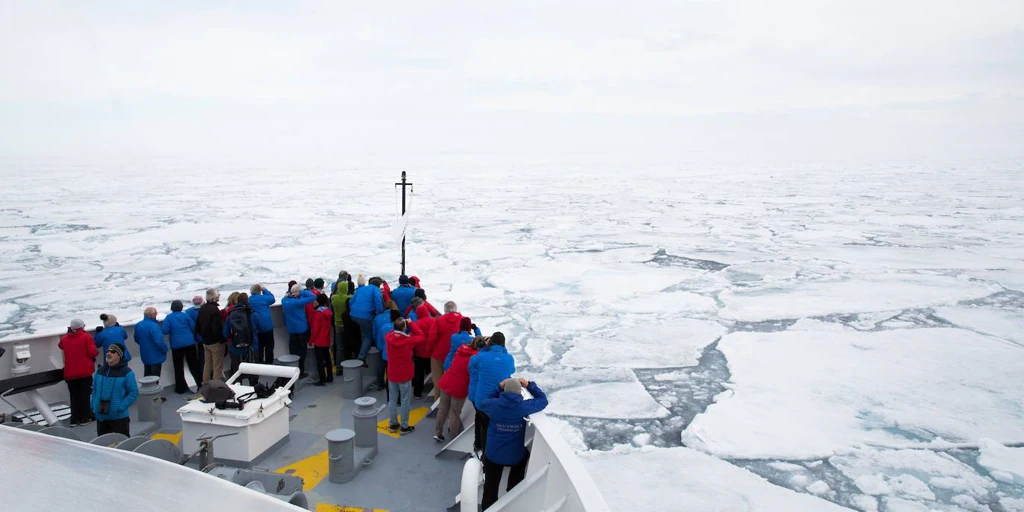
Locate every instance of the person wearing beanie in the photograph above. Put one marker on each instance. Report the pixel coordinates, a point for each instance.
(441, 344)
(486, 370)
(80, 353)
(400, 341)
(179, 328)
(152, 347)
(209, 326)
(260, 300)
(506, 433)
(193, 312)
(320, 336)
(365, 304)
(467, 331)
(114, 390)
(454, 389)
(403, 294)
(112, 332)
(293, 305)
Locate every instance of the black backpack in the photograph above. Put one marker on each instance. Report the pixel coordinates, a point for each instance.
(240, 327)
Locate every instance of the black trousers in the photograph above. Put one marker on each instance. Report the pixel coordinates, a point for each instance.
(266, 343)
(297, 347)
(339, 347)
(323, 364)
(151, 369)
(105, 427)
(80, 390)
(480, 430)
(201, 357)
(492, 478)
(179, 357)
(351, 339)
(420, 369)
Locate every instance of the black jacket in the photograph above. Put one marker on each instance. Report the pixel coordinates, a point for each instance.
(208, 324)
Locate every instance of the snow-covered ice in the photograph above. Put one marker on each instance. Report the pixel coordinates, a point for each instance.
(592, 400)
(1004, 464)
(650, 345)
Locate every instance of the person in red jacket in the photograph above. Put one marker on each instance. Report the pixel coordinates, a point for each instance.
(446, 326)
(421, 354)
(454, 389)
(321, 324)
(401, 342)
(79, 360)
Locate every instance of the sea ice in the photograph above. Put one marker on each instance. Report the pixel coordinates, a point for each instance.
(1004, 464)
(660, 345)
(1008, 325)
(606, 400)
(803, 395)
(634, 480)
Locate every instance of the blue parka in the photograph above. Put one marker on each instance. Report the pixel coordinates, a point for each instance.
(366, 302)
(487, 369)
(193, 313)
(458, 339)
(110, 335)
(260, 305)
(294, 309)
(382, 325)
(116, 384)
(179, 327)
(150, 338)
(506, 431)
(403, 296)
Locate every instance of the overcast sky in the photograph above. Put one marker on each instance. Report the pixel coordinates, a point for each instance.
(653, 79)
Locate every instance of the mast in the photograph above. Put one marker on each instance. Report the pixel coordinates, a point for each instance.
(403, 184)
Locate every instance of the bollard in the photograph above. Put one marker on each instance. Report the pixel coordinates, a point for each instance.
(341, 455)
(375, 361)
(288, 360)
(364, 421)
(150, 402)
(352, 379)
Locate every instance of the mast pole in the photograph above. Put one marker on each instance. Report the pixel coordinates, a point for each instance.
(404, 183)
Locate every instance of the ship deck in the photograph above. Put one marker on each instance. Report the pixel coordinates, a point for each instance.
(405, 475)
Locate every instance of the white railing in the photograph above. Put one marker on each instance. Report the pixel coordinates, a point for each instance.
(556, 480)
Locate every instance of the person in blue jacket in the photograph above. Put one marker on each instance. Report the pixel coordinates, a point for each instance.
(294, 307)
(260, 300)
(464, 336)
(383, 324)
(152, 347)
(113, 391)
(506, 433)
(365, 303)
(180, 329)
(486, 370)
(403, 294)
(111, 332)
(193, 312)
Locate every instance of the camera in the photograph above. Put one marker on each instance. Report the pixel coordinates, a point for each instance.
(104, 407)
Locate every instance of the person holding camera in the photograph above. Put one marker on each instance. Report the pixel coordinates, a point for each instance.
(506, 433)
(113, 391)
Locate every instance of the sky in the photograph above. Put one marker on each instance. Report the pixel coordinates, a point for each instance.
(861, 79)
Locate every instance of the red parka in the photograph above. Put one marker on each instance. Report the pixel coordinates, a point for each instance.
(446, 326)
(455, 381)
(426, 324)
(320, 326)
(400, 347)
(79, 354)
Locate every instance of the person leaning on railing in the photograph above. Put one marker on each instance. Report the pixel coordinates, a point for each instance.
(506, 433)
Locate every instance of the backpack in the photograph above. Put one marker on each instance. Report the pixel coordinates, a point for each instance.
(240, 327)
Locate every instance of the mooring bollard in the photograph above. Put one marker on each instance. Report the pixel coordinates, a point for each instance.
(364, 421)
(288, 360)
(352, 379)
(150, 403)
(341, 455)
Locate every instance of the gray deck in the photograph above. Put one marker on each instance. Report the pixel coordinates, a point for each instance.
(404, 476)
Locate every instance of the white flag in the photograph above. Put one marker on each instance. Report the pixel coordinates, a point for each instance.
(400, 227)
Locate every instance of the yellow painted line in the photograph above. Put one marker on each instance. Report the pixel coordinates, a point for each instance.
(327, 507)
(415, 416)
(312, 469)
(174, 438)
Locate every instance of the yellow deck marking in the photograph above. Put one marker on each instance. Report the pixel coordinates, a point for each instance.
(312, 469)
(174, 438)
(327, 507)
(415, 416)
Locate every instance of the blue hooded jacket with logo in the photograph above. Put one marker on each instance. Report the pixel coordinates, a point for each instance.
(506, 431)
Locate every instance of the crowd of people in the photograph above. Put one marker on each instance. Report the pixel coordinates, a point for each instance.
(413, 337)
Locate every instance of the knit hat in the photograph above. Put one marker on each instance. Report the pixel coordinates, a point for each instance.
(197, 300)
(176, 305)
(118, 349)
(512, 385)
(309, 283)
(318, 283)
(498, 338)
(465, 324)
(77, 324)
(421, 293)
(321, 300)
(403, 279)
(108, 319)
